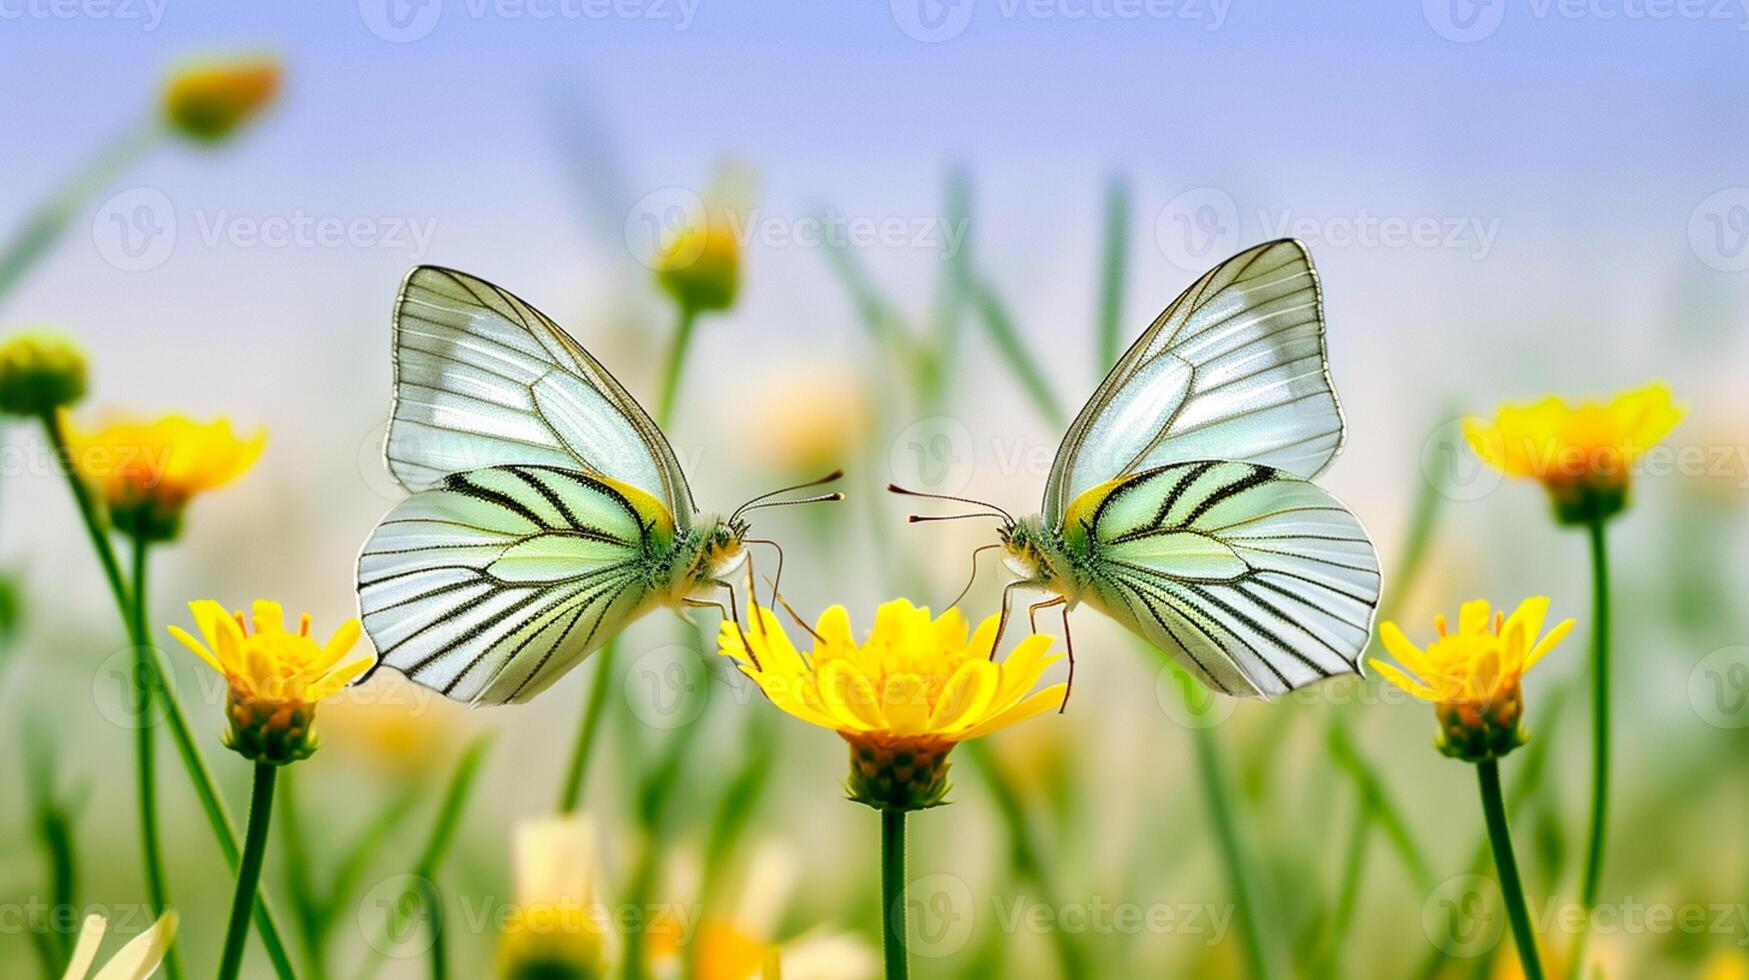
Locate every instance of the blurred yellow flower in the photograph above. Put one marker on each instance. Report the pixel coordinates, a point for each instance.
(1582, 453)
(902, 699)
(1473, 676)
(738, 946)
(210, 100)
(1726, 963)
(135, 961)
(699, 263)
(810, 418)
(554, 932)
(148, 471)
(399, 727)
(40, 373)
(276, 677)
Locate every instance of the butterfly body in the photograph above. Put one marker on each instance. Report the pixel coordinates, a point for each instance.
(1180, 502)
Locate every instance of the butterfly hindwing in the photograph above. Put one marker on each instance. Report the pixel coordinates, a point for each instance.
(1257, 580)
(483, 379)
(1233, 369)
(491, 584)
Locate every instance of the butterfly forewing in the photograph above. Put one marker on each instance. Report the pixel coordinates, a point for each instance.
(490, 585)
(1234, 369)
(1259, 581)
(483, 379)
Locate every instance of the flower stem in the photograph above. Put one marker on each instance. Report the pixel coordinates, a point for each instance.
(206, 789)
(577, 772)
(676, 363)
(145, 676)
(1599, 734)
(893, 894)
(249, 871)
(1241, 876)
(1006, 336)
(1111, 279)
(46, 225)
(1500, 836)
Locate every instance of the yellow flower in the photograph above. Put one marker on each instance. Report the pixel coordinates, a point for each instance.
(135, 961)
(208, 101)
(699, 264)
(554, 931)
(1582, 453)
(902, 699)
(148, 471)
(40, 373)
(276, 677)
(1726, 964)
(1473, 676)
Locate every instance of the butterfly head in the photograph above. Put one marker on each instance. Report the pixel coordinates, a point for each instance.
(1026, 549)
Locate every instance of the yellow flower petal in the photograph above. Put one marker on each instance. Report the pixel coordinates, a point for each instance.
(1404, 681)
(967, 695)
(1049, 699)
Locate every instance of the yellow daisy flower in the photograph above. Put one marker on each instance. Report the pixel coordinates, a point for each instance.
(209, 101)
(904, 697)
(138, 959)
(148, 471)
(1473, 676)
(276, 676)
(1582, 453)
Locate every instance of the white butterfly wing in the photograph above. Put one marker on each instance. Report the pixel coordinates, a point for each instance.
(491, 585)
(1233, 369)
(483, 379)
(1256, 580)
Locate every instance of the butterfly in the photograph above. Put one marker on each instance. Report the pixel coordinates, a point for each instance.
(1179, 503)
(548, 511)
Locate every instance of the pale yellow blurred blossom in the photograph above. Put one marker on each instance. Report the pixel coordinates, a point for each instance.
(148, 471)
(137, 960)
(809, 418)
(554, 932)
(209, 100)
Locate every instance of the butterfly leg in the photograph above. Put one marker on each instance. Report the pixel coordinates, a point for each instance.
(731, 615)
(1032, 617)
(1002, 623)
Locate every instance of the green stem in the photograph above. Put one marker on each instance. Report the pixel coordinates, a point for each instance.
(1024, 851)
(1348, 894)
(205, 787)
(145, 752)
(578, 770)
(1500, 836)
(46, 225)
(1111, 280)
(249, 871)
(1006, 337)
(1600, 742)
(653, 797)
(675, 364)
(1241, 876)
(893, 894)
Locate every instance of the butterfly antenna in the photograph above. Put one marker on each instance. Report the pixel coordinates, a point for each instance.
(904, 492)
(975, 553)
(758, 501)
(822, 498)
